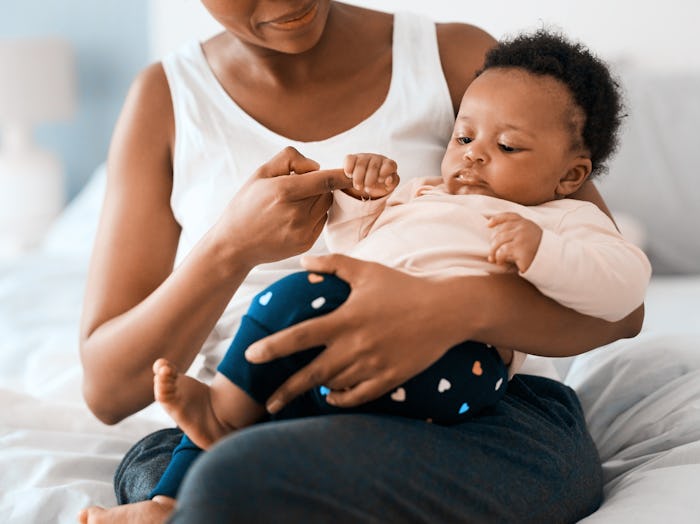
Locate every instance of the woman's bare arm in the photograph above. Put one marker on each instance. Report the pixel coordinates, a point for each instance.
(393, 326)
(589, 192)
(131, 314)
(137, 308)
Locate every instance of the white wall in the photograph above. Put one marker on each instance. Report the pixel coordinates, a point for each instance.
(659, 34)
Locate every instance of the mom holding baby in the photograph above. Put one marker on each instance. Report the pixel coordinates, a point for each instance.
(188, 237)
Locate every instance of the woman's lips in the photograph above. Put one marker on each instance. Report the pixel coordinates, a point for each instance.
(295, 20)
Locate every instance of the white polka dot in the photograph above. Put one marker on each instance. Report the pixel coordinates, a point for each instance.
(318, 302)
(399, 395)
(444, 385)
(265, 299)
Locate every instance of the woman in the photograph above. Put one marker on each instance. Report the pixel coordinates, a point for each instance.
(327, 78)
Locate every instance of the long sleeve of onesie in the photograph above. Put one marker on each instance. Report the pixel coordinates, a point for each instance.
(588, 266)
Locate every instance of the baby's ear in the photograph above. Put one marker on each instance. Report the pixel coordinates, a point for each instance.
(576, 175)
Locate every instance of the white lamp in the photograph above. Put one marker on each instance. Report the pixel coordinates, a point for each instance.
(37, 85)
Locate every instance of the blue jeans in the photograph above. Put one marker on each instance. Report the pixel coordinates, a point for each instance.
(527, 459)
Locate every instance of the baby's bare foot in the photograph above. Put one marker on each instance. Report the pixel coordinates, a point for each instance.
(188, 402)
(147, 512)
(165, 387)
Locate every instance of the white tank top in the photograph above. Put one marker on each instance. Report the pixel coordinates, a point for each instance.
(218, 146)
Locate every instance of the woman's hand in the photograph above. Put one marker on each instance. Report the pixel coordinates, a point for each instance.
(393, 326)
(139, 309)
(374, 341)
(280, 211)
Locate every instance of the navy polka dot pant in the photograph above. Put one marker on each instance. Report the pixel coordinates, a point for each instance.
(467, 379)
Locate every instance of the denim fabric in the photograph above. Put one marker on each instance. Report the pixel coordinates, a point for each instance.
(144, 464)
(529, 459)
(183, 457)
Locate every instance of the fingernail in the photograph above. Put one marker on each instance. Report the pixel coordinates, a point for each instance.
(274, 406)
(348, 175)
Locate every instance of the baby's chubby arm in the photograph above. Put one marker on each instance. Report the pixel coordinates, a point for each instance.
(585, 265)
(514, 240)
(373, 175)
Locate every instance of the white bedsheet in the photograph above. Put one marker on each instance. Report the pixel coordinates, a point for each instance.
(642, 404)
(55, 457)
(641, 397)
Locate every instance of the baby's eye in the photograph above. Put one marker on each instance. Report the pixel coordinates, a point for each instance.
(507, 148)
(464, 140)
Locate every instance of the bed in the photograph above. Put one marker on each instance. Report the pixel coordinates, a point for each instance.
(641, 396)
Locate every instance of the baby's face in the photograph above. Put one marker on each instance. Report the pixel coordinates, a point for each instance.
(514, 138)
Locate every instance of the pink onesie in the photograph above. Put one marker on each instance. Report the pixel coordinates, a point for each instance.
(582, 261)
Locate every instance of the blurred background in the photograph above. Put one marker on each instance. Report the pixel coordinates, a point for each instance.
(111, 40)
(114, 39)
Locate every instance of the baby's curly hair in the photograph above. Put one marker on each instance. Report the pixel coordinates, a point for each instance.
(588, 78)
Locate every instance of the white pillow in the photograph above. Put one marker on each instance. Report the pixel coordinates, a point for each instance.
(654, 176)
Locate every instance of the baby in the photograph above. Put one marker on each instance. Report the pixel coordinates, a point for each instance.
(539, 119)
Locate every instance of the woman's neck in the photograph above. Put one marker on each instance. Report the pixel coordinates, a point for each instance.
(317, 94)
(352, 38)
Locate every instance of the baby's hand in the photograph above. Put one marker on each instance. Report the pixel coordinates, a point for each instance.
(514, 240)
(372, 175)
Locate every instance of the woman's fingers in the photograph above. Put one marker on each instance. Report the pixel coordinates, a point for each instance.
(316, 373)
(314, 183)
(290, 340)
(364, 355)
(318, 207)
(285, 162)
(320, 204)
(348, 377)
(340, 265)
(365, 391)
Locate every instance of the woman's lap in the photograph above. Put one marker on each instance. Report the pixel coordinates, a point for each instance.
(529, 459)
(144, 464)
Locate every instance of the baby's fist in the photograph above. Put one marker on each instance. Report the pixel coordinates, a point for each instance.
(373, 175)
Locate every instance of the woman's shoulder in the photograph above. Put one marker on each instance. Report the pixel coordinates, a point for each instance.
(150, 84)
(148, 103)
(462, 49)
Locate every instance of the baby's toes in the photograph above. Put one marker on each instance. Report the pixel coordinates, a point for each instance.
(165, 368)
